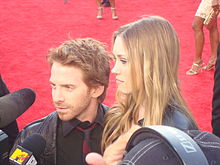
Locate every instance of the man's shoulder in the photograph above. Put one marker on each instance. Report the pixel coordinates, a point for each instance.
(45, 126)
(42, 126)
(45, 121)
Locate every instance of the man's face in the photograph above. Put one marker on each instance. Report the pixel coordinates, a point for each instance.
(71, 96)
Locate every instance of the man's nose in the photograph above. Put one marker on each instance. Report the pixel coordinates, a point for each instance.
(58, 95)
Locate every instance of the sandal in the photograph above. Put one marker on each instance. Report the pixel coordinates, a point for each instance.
(210, 65)
(100, 11)
(195, 69)
(114, 15)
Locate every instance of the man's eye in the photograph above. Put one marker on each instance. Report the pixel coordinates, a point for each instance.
(69, 88)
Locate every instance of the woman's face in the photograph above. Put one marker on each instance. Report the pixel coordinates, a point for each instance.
(120, 68)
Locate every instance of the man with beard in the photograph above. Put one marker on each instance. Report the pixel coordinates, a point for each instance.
(79, 80)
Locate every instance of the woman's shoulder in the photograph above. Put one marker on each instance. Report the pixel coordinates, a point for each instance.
(175, 118)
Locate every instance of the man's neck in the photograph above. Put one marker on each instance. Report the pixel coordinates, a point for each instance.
(90, 113)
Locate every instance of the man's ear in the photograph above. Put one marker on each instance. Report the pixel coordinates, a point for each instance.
(97, 91)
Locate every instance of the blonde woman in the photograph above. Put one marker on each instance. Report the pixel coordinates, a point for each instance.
(146, 54)
(100, 9)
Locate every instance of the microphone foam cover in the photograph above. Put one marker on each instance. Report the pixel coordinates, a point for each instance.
(14, 104)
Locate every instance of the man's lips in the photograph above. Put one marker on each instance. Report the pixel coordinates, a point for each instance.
(60, 109)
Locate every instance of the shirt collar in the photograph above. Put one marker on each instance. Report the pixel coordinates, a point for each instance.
(68, 126)
(100, 116)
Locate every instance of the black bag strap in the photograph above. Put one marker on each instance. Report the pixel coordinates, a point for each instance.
(182, 144)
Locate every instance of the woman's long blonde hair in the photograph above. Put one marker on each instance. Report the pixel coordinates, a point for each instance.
(152, 47)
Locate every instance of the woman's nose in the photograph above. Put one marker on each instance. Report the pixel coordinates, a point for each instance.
(115, 69)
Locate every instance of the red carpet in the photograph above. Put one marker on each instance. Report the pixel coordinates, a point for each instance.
(29, 28)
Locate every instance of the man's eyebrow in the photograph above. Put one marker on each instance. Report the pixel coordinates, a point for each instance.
(67, 85)
(62, 84)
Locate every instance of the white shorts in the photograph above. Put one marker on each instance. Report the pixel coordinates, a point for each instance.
(204, 9)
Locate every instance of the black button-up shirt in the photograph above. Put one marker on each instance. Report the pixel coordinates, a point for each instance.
(70, 140)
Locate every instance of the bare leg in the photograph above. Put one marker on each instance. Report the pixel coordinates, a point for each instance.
(214, 38)
(199, 38)
(199, 43)
(98, 2)
(113, 9)
(100, 9)
(112, 3)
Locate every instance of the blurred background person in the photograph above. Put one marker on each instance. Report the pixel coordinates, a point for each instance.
(100, 9)
(203, 14)
(216, 98)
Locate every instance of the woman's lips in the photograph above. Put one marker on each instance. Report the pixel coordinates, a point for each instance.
(119, 81)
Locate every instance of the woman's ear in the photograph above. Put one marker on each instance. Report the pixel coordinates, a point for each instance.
(97, 91)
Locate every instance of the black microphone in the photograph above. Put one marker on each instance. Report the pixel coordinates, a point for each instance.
(14, 104)
(29, 152)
